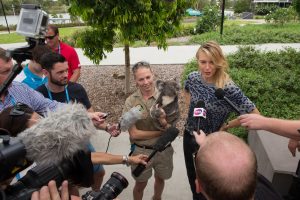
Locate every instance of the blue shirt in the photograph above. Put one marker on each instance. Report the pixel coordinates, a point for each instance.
(30, 79)
(217, 111)
(19, 92)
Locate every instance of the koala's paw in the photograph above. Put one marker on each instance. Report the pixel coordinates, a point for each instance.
(157, 113)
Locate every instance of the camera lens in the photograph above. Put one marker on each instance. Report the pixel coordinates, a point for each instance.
(110, 190)
(114, 186)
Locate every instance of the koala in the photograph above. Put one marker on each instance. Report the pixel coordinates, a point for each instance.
(168, 101)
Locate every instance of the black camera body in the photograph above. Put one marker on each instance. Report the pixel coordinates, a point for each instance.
(12, 156)
(78, 170)
(110, 190)
(32, 24)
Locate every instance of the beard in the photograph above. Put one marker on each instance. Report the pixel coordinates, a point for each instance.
(57, 82)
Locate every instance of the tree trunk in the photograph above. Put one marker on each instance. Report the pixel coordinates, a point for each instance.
(127, 69)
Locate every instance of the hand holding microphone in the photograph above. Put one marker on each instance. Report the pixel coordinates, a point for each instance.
(199, 113)
(200, 138)
(163, 142)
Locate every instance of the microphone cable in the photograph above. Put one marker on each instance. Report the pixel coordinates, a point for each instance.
(108, 143)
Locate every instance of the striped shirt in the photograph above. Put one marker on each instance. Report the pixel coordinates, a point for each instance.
(19, 92)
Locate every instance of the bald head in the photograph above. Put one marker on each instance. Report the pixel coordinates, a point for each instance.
(226, 167)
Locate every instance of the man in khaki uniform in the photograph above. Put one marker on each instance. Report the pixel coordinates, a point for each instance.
(143, 135)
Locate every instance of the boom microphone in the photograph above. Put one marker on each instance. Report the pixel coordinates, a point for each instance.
(129, 118)
(59, 135)
(220, 94)
(163, 142)
(199, 113)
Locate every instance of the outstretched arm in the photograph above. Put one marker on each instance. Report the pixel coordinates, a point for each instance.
(110, 159)
(236, 122)
(286, 128)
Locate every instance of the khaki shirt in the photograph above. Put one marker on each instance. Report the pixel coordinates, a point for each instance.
(146, 123)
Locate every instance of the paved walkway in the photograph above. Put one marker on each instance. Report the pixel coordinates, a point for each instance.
(173, 55)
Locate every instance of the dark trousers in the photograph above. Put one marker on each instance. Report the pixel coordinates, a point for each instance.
(190, 147)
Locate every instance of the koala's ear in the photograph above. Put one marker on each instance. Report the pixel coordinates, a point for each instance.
(177, 83)
(160, 84)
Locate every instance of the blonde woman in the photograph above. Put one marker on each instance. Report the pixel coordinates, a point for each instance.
(201, 86)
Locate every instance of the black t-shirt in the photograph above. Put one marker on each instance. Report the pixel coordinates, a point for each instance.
(76, 93)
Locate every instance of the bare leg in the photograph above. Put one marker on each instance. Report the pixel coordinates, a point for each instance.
(159, 185)
(138, 190)
(98, 179)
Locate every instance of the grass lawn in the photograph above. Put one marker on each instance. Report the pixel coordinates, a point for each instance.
(14, 37)
(252, 34)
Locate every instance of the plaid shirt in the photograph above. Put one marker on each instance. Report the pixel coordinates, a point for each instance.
(19, 92)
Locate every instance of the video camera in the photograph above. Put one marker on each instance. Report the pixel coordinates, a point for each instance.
(33, 25)
(78, 170)
(110, 190)
(12, 156)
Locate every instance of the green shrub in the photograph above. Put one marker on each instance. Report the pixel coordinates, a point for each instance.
(265, 9)
(269, 79)
(210, 19)
(73, 40)
(11, 27)
(252, 34)
(281, 16)
(184, 30)
(242, 6)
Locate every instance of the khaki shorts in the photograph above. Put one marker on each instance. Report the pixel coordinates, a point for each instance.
(161, 163)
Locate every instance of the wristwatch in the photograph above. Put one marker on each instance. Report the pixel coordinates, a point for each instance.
(125, 160)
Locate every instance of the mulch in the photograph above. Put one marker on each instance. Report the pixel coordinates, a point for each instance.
(105, 87)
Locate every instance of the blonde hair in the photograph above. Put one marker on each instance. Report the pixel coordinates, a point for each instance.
(213, 50)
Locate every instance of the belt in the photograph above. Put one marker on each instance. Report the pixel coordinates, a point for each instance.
(148, 147)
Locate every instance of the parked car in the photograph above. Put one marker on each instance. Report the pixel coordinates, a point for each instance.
(193, 12)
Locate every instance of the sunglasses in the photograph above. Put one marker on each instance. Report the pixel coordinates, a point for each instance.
(19, 109)
(50, 37)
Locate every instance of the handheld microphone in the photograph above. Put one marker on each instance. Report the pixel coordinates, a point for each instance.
(129, 118)
(163, 142)
(220, 94)
(199, 113)
(59, 135)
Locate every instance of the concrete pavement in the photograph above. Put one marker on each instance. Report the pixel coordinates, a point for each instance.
(176, 188)
(173, 55)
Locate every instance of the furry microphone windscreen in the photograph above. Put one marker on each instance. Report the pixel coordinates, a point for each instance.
(129, 118)
(59, 135)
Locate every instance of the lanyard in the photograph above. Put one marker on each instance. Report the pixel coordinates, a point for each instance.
(59, 49)
(12, 100)
(66, 92)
